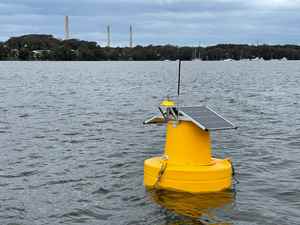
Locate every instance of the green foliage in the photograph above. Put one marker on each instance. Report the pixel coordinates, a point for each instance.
(4, 52)
(25, 54)
(63, 53)
(46, 47)
(33, 42)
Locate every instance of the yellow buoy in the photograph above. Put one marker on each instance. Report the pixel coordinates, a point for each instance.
(187, 164)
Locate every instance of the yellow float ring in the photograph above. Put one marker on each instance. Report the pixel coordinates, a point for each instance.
(189, 178)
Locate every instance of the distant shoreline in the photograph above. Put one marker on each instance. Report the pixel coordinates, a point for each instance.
(42, 47)
(203, 61)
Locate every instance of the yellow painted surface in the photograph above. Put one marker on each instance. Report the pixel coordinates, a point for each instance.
(190, 167)
(194, 179)
(167, 103)
(187, 144)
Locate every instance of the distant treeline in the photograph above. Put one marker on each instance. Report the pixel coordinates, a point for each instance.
(46, 47)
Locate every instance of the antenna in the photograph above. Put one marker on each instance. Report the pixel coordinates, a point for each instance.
(178, 88)
(179, 76)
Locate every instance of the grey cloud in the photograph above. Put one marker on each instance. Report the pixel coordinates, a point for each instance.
(157, 21)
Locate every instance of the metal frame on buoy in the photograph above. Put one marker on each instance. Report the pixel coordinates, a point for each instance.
(187, 164)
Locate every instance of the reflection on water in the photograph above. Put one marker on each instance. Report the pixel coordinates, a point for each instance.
(198, 208)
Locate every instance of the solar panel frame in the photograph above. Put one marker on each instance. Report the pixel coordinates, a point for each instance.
(206, 118)
(155, 120)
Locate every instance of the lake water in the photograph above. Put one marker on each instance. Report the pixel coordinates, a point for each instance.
(72, 143)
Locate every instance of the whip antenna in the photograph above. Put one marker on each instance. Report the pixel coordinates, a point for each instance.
(179, 73)
(178, 88)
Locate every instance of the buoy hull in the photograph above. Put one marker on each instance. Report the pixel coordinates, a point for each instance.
(189, 178)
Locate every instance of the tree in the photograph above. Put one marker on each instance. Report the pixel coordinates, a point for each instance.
(4, 52)
(63, 53)
(25, 54)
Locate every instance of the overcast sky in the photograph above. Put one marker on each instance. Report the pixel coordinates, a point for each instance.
(181, 22)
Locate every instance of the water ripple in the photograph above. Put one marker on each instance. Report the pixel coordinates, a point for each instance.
(73, 144)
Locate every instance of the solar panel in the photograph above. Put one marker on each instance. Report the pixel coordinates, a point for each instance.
(206, 118)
